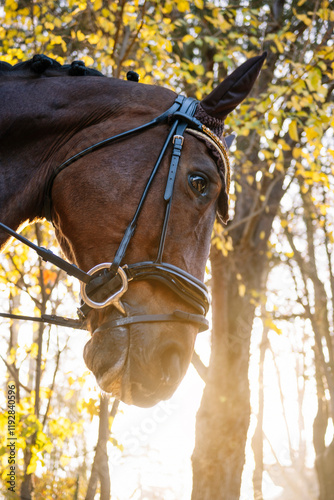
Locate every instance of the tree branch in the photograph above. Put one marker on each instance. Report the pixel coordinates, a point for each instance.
(200, 367)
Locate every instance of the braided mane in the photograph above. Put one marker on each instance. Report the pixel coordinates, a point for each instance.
(41, 66)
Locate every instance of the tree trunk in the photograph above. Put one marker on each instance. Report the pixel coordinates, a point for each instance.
(223, 418)
(100, 469)
(257, 441)
(324, 462)
(27, 487)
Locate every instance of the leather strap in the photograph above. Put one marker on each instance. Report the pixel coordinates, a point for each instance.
(52, 319)
(159, 119)
(178, 316)
(132, 226)
(49, 256)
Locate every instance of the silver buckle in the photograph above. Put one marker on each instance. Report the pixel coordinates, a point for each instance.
(114, 299)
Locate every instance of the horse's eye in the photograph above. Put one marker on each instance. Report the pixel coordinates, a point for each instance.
(198, 183)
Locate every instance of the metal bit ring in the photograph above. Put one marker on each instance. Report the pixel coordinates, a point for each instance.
(114, 299)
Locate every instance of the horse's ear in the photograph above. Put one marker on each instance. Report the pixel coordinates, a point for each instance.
(234, 89)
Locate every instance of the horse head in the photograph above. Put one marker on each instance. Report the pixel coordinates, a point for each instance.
(142, 342)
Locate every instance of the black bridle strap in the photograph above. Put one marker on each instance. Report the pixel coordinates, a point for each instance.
(188, 109)
(50, 319)
(186, 105)
(133, 224)
(178, 316)
(49, 256)
(156, 121)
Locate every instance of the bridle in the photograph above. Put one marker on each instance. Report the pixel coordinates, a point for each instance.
(107, 282)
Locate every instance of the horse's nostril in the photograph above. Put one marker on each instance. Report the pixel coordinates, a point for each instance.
(171, 363)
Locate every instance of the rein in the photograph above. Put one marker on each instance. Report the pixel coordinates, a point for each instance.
(106, 283)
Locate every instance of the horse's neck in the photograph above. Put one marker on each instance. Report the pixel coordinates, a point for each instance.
(39, 121)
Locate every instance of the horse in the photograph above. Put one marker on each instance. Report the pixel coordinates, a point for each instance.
(132, 177)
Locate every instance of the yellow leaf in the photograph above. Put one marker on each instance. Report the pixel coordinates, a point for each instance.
(303, 17)
(57, 40)
(187, 38)
(33, 349)
(93, 39)
(97, 4)
(279, 45)
(311, 133)
(293, 130)
(314, 79)
(80, 36)
(57, 22)
(299, 86)
(183, 5)
(241, 289)
(87, 60)
(48, 447)
(199, 69)
(270, 324)
(296, 152)
(199, 4)
(64, 460)
(31, 467)
(229, 244)
(168, 46)
(262, 235)
(49, 26)
(284, 145)
(69, 395)
(168, 7)
(11, 5)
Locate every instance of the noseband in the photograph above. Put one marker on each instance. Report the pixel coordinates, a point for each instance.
(106, 283)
